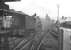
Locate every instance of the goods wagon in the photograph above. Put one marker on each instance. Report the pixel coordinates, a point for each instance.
(22, 21)
(18, 25)
(66, 42)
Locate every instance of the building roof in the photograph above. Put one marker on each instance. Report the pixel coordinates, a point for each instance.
(14, 12)
(8, 0)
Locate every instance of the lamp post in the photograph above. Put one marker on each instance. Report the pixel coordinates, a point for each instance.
(58, 6)
(60, 39)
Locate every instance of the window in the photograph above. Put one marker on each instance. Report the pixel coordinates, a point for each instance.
(7, 21)
(66, 24)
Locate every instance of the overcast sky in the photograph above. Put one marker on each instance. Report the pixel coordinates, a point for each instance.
(42, 7)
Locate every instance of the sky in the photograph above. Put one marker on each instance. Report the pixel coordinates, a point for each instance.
(43, 7)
